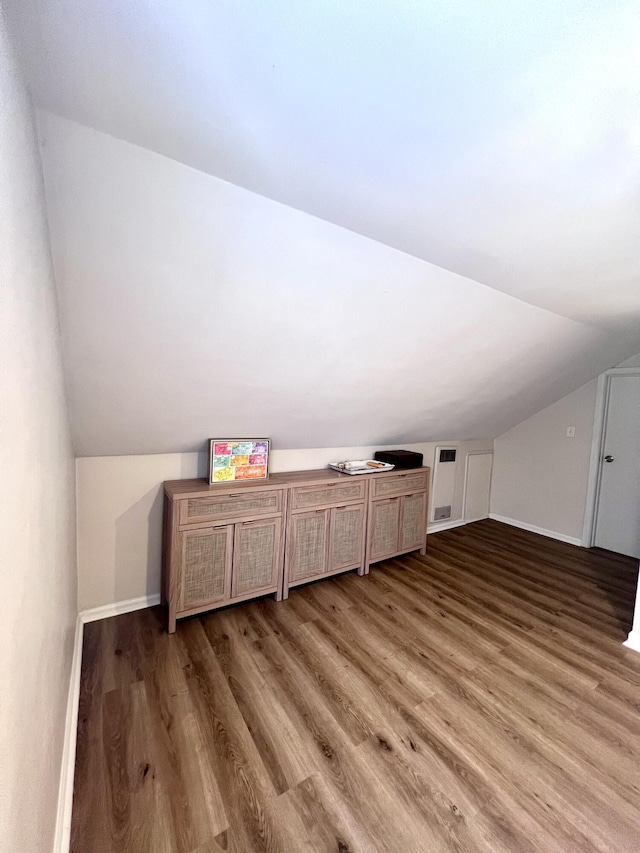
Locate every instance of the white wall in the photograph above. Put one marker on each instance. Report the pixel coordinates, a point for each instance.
(120, 511)
(191, 307)
(539, 475)
(634, 361)
(37, 537)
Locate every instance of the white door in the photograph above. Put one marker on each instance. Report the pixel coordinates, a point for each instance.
(618, 511)
(477, 486)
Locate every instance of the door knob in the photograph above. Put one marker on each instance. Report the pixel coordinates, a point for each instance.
(608, 458)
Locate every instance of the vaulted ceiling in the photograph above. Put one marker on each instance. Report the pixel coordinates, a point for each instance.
(497, 141)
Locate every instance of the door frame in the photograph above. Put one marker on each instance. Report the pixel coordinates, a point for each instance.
(597, 447)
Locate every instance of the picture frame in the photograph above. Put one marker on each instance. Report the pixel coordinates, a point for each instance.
(238, 460)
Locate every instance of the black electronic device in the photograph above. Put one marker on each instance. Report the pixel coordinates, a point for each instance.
(399, 458)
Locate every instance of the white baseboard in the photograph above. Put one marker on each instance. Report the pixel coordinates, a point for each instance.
(633, 641)
(551, 534)
(108, 610)
(437, 526)
(62, 838)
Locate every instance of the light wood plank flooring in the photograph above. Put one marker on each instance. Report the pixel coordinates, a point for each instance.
(476, 699)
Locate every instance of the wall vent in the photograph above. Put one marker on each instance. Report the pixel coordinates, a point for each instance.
(444, 480)
(442, 512)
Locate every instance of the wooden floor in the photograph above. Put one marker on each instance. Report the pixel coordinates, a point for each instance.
(477, 699)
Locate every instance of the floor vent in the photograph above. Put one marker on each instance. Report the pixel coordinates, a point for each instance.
(442, 512)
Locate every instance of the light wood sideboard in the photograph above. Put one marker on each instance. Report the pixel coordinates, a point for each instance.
(325, 530)
(220, 544)
(231, 542)
(397, 514)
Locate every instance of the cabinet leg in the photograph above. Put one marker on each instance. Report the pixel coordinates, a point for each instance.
(171, 624)
(279, 595)
(423, 550)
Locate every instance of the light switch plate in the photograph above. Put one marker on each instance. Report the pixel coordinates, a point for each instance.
(571, 432)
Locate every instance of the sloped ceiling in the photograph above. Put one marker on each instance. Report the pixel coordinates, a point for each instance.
(476, 151)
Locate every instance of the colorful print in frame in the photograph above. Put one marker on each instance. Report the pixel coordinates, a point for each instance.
(232, 459)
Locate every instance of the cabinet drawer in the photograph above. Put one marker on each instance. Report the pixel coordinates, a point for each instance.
(399, 484)
(304, 497)
(233, 505)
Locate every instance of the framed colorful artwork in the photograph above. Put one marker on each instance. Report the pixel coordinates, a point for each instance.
(238, 459)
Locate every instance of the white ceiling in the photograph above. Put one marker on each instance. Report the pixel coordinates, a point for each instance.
(497, 139)
(478, 151)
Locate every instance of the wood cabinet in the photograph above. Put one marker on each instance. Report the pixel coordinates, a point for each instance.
(256, 557)
(307, 543)
(397, 514)
(384, 525)
(413, 522)
(206, 557)
(346, 537)
(232, 542)
(325, 540)
(221, 545)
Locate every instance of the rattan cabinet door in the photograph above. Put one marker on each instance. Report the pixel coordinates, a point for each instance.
(345, 542)
(413, 521)
(307, 544)
(385, 524)
(256, 556)
(206, 566)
